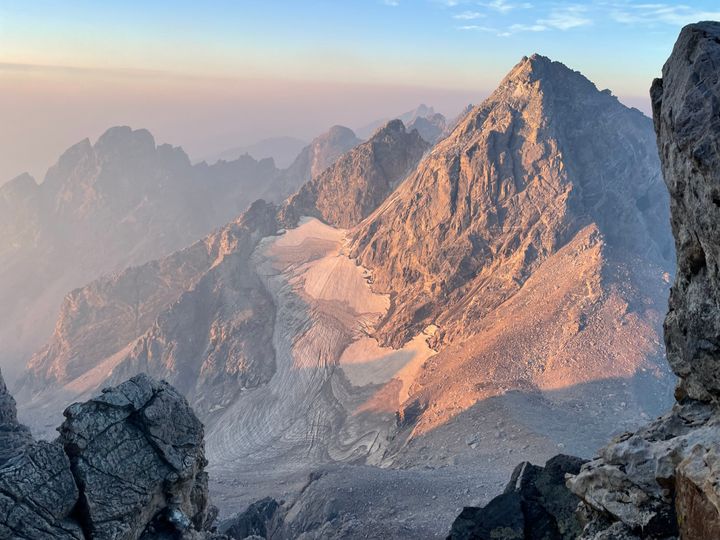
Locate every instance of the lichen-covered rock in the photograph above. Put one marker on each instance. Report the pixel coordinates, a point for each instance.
(536, 504)
(686, 110)
(135, 451)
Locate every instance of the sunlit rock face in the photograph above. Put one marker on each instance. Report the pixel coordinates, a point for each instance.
(534, 240)
(545, 156)
(346, 193)
(662, 480)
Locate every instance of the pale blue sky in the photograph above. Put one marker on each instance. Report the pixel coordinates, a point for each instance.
(242, 70)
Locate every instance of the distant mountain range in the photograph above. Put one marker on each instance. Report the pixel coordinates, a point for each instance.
(119, 202)
(282, 150)
(407, 118)
(432, 305)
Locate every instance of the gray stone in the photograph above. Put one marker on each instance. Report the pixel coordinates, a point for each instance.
(135, 451)
(686, 109)
(38, 494)
(13, 436)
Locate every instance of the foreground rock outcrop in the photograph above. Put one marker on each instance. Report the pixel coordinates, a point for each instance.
(535, 505)
(662, 480)
(127, 464)
(686, 102)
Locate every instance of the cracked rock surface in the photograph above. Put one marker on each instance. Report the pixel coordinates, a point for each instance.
(127, 464)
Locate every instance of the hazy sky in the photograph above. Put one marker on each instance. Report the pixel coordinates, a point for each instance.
(208, 75)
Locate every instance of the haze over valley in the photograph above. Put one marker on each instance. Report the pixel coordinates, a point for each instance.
(358, 313)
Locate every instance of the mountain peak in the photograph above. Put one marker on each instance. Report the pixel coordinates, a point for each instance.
(356, 184)
(537, 67)
(393, 126)
(23, 183)
(126, 138)
(339, 133)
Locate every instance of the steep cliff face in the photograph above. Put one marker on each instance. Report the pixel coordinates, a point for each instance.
(544, 157)
(127, 463)
(685, 105)
(358, 182)
(661, 481)
(122, 201)
(199, 318)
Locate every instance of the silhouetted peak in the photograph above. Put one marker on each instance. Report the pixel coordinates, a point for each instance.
(339, 133)
(125, 139)
(393, 126)
(21, 184)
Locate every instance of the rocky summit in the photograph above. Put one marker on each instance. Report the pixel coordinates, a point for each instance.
(361, 179)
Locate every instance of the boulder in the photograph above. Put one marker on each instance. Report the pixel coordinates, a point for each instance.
(128, 464)
(135, 451)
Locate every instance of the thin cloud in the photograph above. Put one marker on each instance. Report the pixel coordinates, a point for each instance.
(679, 15)
(391, 3)
(469, 15)
(477, 28)
(566, 18)
(527, 28)
(503, 6)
